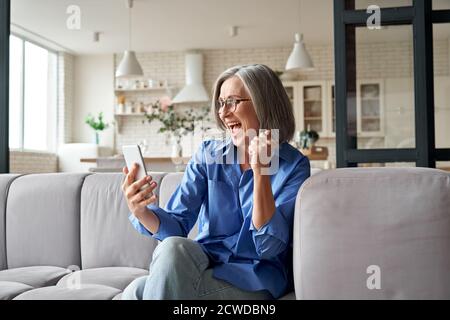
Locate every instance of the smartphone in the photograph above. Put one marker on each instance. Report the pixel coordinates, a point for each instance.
(133, 154)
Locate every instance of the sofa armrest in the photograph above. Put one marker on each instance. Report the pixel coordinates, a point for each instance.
(5, 182)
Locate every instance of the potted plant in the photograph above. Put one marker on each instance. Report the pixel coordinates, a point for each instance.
(307, 138)
(96, 124)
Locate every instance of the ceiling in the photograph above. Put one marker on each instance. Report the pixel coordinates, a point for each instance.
(173, 25)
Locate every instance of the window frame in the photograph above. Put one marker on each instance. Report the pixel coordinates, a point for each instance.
(51, 140)
(5, 20)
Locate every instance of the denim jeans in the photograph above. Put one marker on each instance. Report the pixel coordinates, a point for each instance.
(179, 270)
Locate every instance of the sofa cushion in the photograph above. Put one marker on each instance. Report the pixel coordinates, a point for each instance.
(107, 236)
(5, 182)
(116, 277)
(168, 186)
(43, 220)
(84, 292)
(355, 227)
(10, 289)
(38, 276)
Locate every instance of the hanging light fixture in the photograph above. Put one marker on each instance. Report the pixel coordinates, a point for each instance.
(299, 59)
(129, 66)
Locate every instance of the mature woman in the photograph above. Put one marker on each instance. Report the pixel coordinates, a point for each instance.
(242, 190)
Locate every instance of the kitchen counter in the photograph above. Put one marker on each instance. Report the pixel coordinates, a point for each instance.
(156, 164)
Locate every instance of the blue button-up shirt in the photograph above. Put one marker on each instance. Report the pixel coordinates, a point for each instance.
(216, 191)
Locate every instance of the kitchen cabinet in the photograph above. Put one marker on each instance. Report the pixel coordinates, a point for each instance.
(370, 108)
(314, 104)
(309, 101)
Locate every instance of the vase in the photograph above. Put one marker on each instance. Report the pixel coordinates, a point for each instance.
(177, 149)
(96, 138)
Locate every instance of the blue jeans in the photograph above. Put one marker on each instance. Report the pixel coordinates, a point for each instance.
(179, 270)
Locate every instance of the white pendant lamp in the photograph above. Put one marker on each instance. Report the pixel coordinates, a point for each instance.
(299, 59)
(129, 66)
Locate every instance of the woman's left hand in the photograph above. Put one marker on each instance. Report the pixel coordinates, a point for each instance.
(260, 151)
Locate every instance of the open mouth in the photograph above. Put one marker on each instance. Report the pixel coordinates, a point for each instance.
(234, 127)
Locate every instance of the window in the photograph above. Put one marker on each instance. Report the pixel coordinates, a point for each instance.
(33, 96)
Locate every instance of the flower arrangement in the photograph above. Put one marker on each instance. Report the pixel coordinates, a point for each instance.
(176, 123)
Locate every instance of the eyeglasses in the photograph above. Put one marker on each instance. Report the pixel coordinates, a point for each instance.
(230, 104)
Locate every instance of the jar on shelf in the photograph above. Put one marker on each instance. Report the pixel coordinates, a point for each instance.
(129, 108)
(121, 104)
(141, 108)
(120, 108)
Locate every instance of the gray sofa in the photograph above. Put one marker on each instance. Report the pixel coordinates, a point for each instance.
(346, 221)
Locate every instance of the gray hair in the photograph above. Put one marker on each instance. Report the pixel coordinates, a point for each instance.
(270, 100)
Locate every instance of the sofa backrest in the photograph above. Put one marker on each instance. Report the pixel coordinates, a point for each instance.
(172, 180)
(43, 220)
(5, 182)
(373, 234)
(107, 236)
(168, 186)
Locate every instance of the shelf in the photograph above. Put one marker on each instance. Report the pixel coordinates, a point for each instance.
(136, 114)
(312, 100)
(313, 118)
(156, 89)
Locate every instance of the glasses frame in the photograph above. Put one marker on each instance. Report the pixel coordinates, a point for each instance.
(220, 103)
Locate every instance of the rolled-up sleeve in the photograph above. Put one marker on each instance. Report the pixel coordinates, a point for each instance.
(274, 236)
(182, 209)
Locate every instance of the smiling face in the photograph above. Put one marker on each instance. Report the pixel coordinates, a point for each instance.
(244, 117)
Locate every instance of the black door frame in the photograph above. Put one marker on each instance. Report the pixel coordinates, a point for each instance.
(4, 84)
(421, 16)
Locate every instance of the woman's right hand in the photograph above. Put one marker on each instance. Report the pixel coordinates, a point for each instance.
(138, 200)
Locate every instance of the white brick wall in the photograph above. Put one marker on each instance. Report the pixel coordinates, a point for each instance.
(32, 162)
(377, 61)
(65, 97)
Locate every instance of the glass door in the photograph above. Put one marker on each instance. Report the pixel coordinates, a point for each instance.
(313, 107)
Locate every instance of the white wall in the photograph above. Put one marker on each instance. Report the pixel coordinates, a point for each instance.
(93, 93)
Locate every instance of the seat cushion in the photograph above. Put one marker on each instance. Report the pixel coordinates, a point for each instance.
(84, 292)
(38, 276)
(10, 289)
(107, 236)
(116, 277)
(118, 297)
